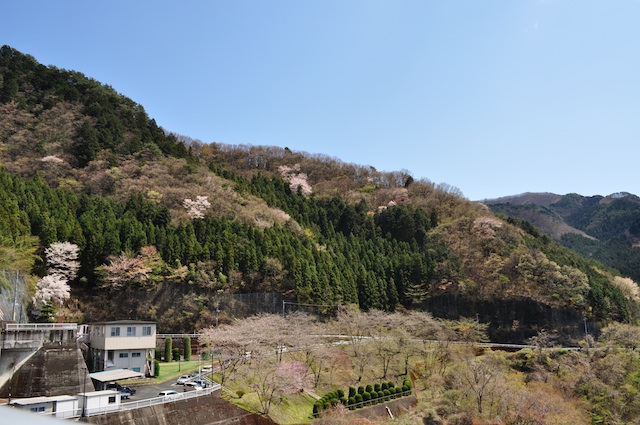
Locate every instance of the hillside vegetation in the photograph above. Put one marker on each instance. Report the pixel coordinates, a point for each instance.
(164, 224)
(606, 228)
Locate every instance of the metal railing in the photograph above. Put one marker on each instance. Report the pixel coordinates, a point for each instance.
(39, 326)
(132, 405)
(178, 335)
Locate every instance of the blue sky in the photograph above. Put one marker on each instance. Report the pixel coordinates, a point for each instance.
(493, 97)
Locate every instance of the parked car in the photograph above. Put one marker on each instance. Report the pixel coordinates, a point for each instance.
(191, 386)
(183, 379)
(168, 394)
(203, 383)
(121, 388)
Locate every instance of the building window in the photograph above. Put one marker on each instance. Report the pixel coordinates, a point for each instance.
(115, 331)
(136, 369)
(37, 409)
(112, 399)
(146, 331)
(123, 355)
(135, 355)
(131, 331)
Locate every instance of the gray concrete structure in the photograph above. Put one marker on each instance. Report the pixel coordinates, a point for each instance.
(41, 360)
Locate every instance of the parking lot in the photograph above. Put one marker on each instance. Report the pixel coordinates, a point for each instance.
(151, 391)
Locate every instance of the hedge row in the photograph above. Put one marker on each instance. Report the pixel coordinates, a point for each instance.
(363, 396)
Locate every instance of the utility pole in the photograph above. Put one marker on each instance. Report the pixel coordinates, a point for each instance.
(84, 393)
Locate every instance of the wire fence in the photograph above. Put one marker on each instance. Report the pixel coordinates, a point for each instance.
(14, 297)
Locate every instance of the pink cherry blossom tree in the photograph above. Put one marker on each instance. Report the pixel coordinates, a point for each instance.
(197, 208)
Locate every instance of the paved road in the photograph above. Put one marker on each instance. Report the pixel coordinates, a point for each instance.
(150, 391)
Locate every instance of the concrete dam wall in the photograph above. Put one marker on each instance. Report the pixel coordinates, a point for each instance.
(41, 360)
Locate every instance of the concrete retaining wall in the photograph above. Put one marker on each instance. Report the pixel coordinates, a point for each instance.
(205, 410)
(54, 369)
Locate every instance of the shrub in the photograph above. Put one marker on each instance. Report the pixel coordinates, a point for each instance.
(206, 355)
(366, 397)
(158, 355)
(187, 348)
(384, 386)
(156, 368)
(405, 388)
(168, 350)
(377, 388)
(374, 395)
(358, 398)
(360, 390)
(340, 393)
(351, 402)
(352, 392)
(176, 354)
(368, 388)
(390, 385)
(386, 393)
(240, 393)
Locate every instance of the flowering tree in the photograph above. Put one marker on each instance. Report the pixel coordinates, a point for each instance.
(296, 179)
(52, 288)
(127, 269)
(63, 265)
(62, 259)
(294, 377)
(197, 208)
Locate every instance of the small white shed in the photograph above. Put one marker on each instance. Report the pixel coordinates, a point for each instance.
(97, 402)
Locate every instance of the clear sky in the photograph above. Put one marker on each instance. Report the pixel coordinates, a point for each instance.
(493, 97)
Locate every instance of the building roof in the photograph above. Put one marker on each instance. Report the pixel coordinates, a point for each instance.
(98, 393)
(38, 400)
(124, 322)
(115, 375)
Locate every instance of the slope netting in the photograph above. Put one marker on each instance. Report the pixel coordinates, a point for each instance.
(14, 298)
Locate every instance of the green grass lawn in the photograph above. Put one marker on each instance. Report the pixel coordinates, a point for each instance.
(173, 370)
(168, 371)
(293, 409)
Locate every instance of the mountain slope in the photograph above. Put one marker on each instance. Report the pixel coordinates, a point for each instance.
(606, 228)
(166, 225)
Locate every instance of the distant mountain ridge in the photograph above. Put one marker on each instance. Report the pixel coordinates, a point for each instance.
(606, 228)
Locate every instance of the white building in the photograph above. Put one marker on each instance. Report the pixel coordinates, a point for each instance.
(99, 402)
(122, 344)
(63, 406)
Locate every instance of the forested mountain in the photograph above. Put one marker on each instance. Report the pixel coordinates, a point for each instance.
(165, 225)
(606, 228)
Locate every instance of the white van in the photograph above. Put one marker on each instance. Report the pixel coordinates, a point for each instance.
(168, 394)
